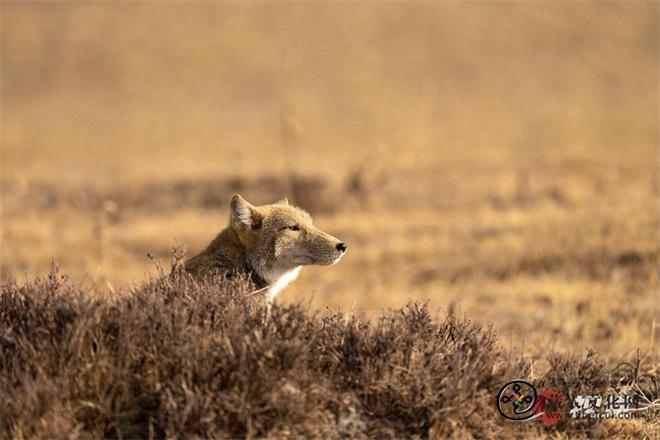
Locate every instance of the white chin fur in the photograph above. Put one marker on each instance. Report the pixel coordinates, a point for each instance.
(336, 260)
(280, 280)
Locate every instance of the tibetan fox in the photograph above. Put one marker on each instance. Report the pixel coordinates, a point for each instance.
(269, 243)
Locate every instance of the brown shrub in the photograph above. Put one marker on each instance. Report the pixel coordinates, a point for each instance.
(176, 358)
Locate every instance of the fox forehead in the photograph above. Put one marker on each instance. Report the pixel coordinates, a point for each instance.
(285, 215)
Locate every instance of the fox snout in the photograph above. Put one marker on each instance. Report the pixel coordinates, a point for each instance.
(322, 249)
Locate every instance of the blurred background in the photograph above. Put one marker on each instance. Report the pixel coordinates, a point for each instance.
(494, 158)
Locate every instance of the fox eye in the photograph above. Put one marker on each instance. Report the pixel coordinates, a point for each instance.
(292, 228)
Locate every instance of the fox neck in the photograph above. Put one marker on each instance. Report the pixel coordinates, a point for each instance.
(279, 279)
(275, 279)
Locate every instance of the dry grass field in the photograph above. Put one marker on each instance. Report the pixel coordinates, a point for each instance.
(498, 159)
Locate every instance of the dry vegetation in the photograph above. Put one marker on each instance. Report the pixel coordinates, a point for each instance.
(494, 159)
(177, 359)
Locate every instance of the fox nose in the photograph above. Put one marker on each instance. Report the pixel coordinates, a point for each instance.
(341, 247)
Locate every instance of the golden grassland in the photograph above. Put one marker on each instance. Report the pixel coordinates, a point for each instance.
(499, 159)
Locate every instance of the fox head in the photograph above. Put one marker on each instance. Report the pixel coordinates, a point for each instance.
(280, 237)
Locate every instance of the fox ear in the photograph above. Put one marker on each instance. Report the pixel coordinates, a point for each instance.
(241, 212)
(284, 201)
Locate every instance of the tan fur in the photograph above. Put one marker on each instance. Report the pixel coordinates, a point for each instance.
(269, 242)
